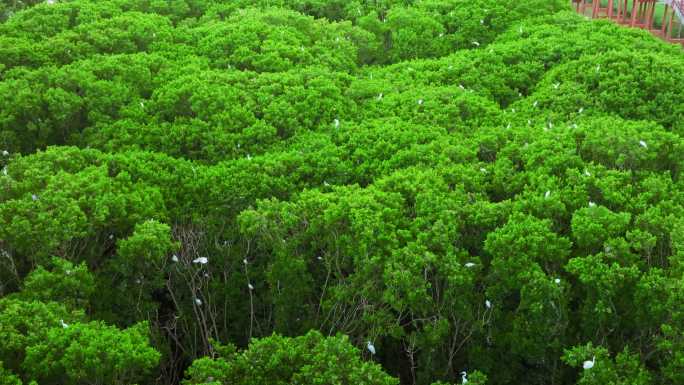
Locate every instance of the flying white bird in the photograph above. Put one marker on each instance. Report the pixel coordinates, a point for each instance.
(464, 377)
(64, 324)
(174, 258)
(488, 304)
(643, 144)
(201, 260)
(370, 347)
(589, 364)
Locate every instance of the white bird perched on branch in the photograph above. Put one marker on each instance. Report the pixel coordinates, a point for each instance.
(201, 260)
(249, 286)
(643, 144)
(198, 301)
(64, 324)
(370, 347)
(488, 304)
(174, 258)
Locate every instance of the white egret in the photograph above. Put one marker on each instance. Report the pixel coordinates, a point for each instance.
(476, 44)
(483, 170)
(513, 110)
(380, 96)
(556, 85)
(420, 102)
(535, 103)
(370, 347)
(508, 126)
(574, 125)
(4, 171)
(592, 204)
(337, 123)
(64, 324)
(580, 110)
(198, 302)
(111, 236)
(174, 258)
(325, 183)
(488, 304)
(461, 86)
(598, 68)
(201, 260)
(589, 364)
(34, 197)
(481, 21)
(469, 264)
(245, 261)
(249, 157)
(249, 286)
(643, 144)
(586, 172)
(547, 194)
(557, 281)
(5, 152)
(142, 105)
(464, 377)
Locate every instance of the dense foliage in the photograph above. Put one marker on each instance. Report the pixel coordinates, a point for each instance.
(255, 191)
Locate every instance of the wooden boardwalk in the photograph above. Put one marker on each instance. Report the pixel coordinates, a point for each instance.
(640, 14)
